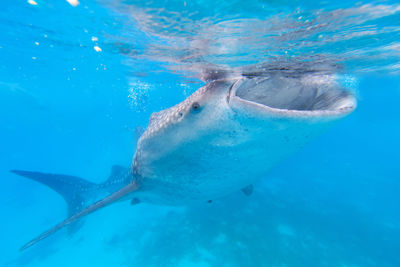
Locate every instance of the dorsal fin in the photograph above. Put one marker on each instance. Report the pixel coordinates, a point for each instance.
(116, 170)
(119, 177)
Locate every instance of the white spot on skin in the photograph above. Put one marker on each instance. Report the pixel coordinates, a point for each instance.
(94, 39)
(97, 49)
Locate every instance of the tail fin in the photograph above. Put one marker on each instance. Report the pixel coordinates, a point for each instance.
(98, 205)
(73, 189)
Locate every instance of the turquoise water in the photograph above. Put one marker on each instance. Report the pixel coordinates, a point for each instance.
(77, 78)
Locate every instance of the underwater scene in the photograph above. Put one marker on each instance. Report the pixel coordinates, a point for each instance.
(200, 133)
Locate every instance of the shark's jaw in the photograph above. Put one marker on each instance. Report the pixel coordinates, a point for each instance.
(283, 96)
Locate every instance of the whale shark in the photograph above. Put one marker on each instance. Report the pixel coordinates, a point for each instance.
(219, 140)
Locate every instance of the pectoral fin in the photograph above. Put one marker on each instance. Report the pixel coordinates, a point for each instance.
(96, 206)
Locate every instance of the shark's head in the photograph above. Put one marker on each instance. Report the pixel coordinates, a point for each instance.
(232, 131)
(276, 95)
(230, 112)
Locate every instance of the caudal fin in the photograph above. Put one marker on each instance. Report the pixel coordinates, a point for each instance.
(73, 189)
(96, 206)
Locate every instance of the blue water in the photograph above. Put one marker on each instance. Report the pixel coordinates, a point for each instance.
(77, 78)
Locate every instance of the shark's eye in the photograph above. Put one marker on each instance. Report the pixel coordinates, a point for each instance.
(195, 106)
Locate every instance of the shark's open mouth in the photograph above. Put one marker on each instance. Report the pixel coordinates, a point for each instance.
(279, 93)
